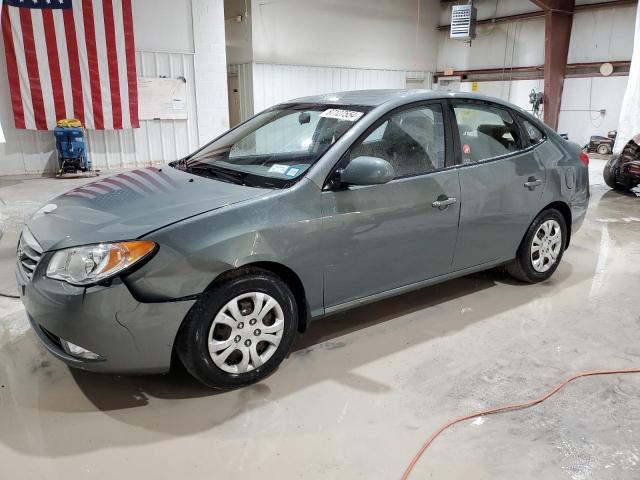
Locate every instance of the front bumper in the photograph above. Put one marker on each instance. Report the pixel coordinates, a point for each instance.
(129, 336)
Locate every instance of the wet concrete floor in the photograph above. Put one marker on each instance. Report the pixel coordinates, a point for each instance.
(362, 389)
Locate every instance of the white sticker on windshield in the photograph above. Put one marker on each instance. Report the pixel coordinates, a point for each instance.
(339, 114)
(275, 168)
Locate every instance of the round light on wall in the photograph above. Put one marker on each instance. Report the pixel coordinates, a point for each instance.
(606, 69)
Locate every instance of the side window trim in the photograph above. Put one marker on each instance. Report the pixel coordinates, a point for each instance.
(456, 133)
(449, 156)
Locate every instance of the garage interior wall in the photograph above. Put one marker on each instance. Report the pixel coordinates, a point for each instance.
(289, 48)
(601, 35)
(294, 48)
(171, 54)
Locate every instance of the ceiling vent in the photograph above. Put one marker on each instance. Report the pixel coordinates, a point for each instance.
(463, 22)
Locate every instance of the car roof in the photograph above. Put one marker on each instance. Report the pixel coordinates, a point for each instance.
(374, 98)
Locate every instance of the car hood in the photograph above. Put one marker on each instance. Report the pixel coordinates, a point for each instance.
(129, 205)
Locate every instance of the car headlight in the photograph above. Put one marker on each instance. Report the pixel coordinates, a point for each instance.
(92, 264)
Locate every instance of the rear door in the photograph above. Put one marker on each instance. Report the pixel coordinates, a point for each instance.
(501, 182)
(381, 237)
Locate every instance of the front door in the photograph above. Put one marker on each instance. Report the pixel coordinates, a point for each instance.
(501, 180)
(381, 237)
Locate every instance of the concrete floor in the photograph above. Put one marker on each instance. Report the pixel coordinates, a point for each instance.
(363, 389)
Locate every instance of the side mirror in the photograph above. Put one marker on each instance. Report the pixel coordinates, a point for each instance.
(367, 171)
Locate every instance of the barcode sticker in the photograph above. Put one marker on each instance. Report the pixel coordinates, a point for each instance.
(275, 168)
(339, 114)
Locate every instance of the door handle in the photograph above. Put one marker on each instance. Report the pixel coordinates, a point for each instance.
(443, 204)
(532, 183)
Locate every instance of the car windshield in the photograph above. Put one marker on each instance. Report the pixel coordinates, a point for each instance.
(276, 147)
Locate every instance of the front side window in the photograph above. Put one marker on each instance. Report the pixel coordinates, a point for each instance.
(275, 147)
(412, 141)
(485, 132)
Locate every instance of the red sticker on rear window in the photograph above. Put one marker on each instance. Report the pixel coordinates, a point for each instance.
(466, 149)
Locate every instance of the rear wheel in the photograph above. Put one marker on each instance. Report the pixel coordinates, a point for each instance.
(239, 331)
(541, 249)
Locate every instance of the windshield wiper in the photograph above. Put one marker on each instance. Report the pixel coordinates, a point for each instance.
(232, 177)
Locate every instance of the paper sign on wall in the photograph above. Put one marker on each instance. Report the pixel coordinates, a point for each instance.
(162, 98)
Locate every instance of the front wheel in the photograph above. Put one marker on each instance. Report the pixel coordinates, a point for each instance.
(541, 249)
(604, 149)
(239, 331)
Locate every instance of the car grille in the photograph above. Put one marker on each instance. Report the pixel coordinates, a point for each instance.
(29, 253)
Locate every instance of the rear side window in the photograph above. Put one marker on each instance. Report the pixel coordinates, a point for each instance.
(411, 140)
(534, 134)
(486, 132)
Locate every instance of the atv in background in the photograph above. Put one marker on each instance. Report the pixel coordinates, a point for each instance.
(622, 172)
(602, 145)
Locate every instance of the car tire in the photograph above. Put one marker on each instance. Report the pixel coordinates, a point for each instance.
(610, 177)
(603, 150)
(252, 342)
(540, 253)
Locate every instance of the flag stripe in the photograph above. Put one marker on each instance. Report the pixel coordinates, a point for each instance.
(44, 69)
(103, 64)
(163, 175)
(135, 182)
(25, 90)
(149, 178)
(54, 63)
(93, 68)
(112, 57)
(12, 69)
(73, 57)
(121, 182)
(32, 69)
(127, 16)
(106, 188)
(84, 84)
(122, 61)
(63, 62)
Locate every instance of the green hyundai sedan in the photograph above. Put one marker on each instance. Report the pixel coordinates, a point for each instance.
(314, 206)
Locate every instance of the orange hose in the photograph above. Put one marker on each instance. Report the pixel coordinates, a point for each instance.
(507, 408)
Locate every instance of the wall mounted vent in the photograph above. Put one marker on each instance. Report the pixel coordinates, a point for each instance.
(463, 22)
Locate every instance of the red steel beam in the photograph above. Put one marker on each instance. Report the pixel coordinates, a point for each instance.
(558, 20)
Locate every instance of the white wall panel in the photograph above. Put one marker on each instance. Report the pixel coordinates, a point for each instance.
(244, 71)
(210, 69)
(156, 141)
(597, 36)
(274, 83)
(582, 100)
(380, 34)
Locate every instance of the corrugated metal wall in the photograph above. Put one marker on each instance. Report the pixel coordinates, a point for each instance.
(275, 83)
(155, 141)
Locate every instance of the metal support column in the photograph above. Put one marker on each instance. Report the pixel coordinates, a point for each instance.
(558, 19)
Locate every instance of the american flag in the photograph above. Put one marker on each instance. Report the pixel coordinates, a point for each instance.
(71, 59)
(126, 187)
